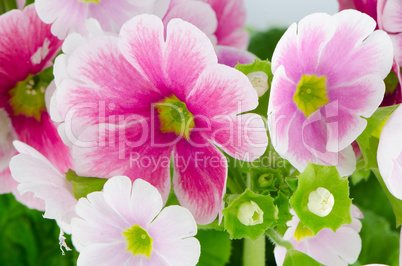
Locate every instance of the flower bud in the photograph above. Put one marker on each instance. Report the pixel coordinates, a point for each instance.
(259, 80)
(250, 213)
(320, 202)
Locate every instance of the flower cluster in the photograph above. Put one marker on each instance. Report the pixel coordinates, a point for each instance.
(135, 125)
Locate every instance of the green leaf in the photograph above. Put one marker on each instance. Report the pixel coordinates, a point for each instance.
(292, 182)
(396, 203)
(82, 186)
(360, 174)
(28, 239)
(215, 247)
(7, 5)
(282, 213)
(314, 177)
(236, 228)
(297, 258)
(380, 244)
(369, 138)
(263, 44)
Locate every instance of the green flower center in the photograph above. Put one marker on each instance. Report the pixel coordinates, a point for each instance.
(28, 96)
(139, 242)
(310, 94)
(174, 116)
(90, 1)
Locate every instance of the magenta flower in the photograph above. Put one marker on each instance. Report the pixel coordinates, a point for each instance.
(27, 49)
(138, 99)
(126, 225)
(317, 100)
(327, 247)
(69, 16)
(36, 175)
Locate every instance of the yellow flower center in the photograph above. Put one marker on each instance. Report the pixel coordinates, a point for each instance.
(28, 96)
(90, 1)
(174, 116)
(138, 240)
(310, 94)
(302, 232)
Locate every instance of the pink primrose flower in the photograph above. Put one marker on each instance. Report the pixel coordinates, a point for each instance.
(328, 75)
(27, 49)
(126, 225)
(327, 247)
(131, 105)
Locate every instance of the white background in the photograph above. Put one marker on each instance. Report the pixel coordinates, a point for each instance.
(262, 14)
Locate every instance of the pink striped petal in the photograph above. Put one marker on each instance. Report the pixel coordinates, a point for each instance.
(16, 60)
(130, 149)
(197, 13)
(142, 43)
(188, 53)
(199, 179)
(231, 15)
(231, 88)
(287, 53)
(359, 46)
(93, 92)
(392, 16)
(42, 135)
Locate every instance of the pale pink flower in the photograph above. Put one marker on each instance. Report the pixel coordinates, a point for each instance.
(328, 75)
(126, 225)
(68, 16)
(36, 175)
(27, 48)
(389, 154)
(327, 247)
(106, 95)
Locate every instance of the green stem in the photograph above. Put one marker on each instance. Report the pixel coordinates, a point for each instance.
(278, 240)
(254, 252)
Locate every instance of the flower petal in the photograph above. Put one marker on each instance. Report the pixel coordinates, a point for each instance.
(130, 149)
(197, 13)
(199, 179)
(37, 175)
(392, 16)
(188, 53)
(137, 203)
(231, 15)
(173, 224)
(141, 42)
(172, 252)
(231, 56)
(358, 45)
(93, 81)
(105, 254)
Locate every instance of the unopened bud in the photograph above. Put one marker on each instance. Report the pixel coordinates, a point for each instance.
(250, 213)
(320, 202)
(259, 80)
